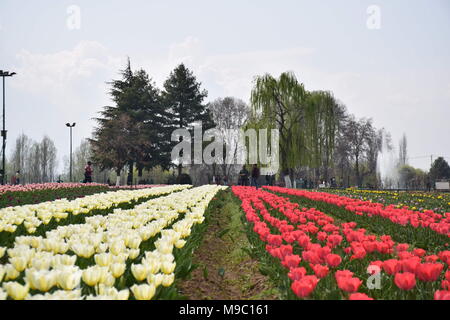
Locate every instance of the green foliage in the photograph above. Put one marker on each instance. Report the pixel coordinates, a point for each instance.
(306, 120)
(440, 169)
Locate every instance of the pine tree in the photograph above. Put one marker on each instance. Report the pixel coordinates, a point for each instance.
(138, 116)
(183, 100)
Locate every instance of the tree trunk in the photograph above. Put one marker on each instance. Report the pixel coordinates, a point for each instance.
(118, 177)
(130, 173)
(140, 171)
(358, 175)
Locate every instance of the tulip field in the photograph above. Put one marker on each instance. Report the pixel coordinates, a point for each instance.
(126, 244)
(320, 245)
(87, 242)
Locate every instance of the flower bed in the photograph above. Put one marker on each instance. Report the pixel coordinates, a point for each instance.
(46, 186)
(322, 258)
(39, 218)
(32, 194)
(422, 222)
(132, 253)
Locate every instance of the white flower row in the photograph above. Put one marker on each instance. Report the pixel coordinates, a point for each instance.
(32, 216)
(48, 262)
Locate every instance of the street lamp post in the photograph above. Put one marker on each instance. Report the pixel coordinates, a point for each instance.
(70, 126)
(4, 74)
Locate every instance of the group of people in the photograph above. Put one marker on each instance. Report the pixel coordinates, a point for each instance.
(244, 176)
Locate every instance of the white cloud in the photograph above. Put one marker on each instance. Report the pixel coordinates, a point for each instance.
(57, 74)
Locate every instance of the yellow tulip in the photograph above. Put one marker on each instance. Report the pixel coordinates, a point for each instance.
(155, 279)
(2, 272)
(16, 290)
(143, 291)
(153, 265)
(19, 263)
(133, 253)
(123, 294)
(117, 269)
(168, 279)
(180, 243)
(3, 295)
(103, 259)
(139, 271)
(117, 247)
(91, 276)
(11, 272)
(168, 267)
(2, 251)
(134, 243)
(42, 280)
(69, 278)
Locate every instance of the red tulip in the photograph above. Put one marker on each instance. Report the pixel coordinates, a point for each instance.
(349, 284)
(402, 247)
(319, 270)
(333, 260)
(442, 295)
(410, 265)
(431, 258)
(305, 286)
(405, 281)
(429, 271)
(297, 273)
(445, 285)
(391, 266)
(274, 240)
(445, 256)
(359, 296)
(291, 261)
(343, 274)
(419, 252)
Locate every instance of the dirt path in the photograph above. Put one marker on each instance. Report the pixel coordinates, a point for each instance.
(225, 270)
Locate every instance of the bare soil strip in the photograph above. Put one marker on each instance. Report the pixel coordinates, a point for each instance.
(225, 270)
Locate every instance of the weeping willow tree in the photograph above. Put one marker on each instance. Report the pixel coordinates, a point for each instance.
(305, 120)
(322, 130)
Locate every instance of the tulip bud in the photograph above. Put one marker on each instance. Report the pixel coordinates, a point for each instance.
(168, 279)
(11, 272)
(143, 291)
(91, 276)
(2, 251)
(155, 279)
(133, 253)
(103, 259)
(134, 243)
(168, 267)
(139, 271)
(123, 294)
(2, 272)
(117, 269)
(16, 291)
(68, 279)
(19, 263)
(117, 247)
(3, 294)
(180, 243)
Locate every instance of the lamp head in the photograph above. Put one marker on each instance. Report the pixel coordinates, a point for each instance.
(68, 124)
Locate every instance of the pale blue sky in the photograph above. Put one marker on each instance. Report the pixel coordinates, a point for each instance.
(399, 75)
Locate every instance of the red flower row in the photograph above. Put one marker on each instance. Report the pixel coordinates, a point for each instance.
(402, 216)
(305, 225)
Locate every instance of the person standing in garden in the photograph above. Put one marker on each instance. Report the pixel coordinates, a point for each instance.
(17, 177)
(243, 176)
(88, 173)
(255, 176)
